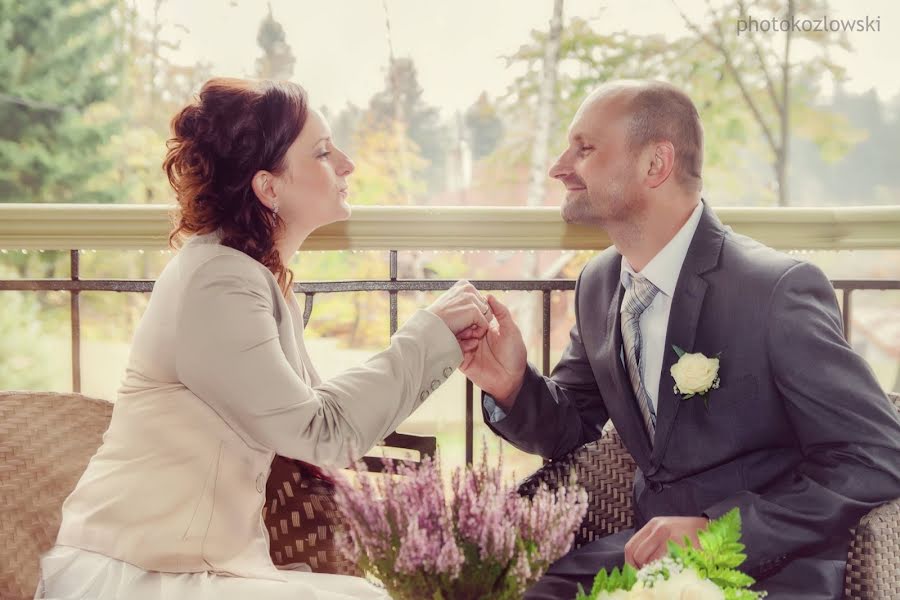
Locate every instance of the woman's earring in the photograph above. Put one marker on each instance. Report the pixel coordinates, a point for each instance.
(275, 208)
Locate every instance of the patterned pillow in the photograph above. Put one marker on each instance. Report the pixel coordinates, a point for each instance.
(301, 517)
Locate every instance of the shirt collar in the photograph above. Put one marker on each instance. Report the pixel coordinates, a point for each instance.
(664, 268)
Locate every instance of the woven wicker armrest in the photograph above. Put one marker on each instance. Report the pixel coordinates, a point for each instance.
(606, 470)
(873, 567)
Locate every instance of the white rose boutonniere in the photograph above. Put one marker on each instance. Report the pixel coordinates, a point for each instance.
(695, 374)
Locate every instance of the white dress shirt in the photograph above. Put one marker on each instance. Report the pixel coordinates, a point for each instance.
(663, 271)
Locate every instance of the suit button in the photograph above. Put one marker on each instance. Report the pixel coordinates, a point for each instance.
(448, 372)
(422, 396)
(656, 486)
(261, 483)
(435, 384)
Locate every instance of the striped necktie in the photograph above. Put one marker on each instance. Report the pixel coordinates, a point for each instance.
(639, 294)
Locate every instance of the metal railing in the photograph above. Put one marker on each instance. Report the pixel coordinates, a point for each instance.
(52, 227)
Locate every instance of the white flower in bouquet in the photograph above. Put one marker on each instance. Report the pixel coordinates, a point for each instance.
(687, 585)
(687, 573)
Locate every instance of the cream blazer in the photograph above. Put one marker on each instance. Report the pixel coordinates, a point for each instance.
(218, 382)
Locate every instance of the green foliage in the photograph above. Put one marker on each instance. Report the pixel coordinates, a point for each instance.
(59, 73)
(720, 554)
(717, 559)
(484, 125)
(610, 582)
(25, 351)
(401, 105)
(734, 81)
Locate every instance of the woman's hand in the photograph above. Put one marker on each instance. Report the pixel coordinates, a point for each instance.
(463, 309)
(497, 361)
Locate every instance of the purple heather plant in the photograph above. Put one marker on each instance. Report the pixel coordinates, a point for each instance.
(486, 542)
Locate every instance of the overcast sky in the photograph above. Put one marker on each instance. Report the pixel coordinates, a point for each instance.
(342, 50)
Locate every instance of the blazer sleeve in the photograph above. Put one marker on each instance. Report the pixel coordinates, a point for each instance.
(847, 429)
(554, 415)
(229, 354)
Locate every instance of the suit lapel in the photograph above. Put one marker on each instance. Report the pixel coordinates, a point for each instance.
(684, 318)
(623, 408)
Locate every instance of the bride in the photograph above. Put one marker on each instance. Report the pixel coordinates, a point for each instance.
(219, 380)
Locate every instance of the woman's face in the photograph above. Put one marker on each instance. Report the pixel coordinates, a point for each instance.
(312, 188)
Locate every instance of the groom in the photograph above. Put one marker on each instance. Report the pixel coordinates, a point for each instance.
(798, 435)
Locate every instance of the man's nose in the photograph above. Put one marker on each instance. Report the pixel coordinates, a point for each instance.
(559, 169)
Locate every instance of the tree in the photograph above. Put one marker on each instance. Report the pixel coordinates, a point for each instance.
(400, 103)
(735, 140)
(277, 60)
(484, 125)
(59, 72)
(586, 59)
(537, 176)
(345, 126)
(25, 350)
(774, 86)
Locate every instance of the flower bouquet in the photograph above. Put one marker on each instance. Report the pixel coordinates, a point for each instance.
(709, 572)
(485, 542)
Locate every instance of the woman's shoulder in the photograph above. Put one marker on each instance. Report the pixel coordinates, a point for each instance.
(205, 257)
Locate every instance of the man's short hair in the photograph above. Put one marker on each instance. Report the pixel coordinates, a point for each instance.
(660, 111)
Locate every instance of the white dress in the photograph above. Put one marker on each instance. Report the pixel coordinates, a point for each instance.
(73, 574)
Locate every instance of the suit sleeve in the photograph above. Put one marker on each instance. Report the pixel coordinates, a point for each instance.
(847, 429)
(229, 354)
(554, 415)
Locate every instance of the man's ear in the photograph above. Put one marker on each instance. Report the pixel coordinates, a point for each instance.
(660, 163)
(263, 184)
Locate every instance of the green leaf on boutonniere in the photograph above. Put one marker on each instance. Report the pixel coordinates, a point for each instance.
(678, 351)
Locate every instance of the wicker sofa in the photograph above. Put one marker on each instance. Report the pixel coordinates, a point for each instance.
(46, 440)
(606, 470)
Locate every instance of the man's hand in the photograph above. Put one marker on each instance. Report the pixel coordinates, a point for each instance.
(495, 362)
(651, 542)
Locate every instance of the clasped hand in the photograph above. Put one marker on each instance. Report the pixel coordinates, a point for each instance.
(494, 356)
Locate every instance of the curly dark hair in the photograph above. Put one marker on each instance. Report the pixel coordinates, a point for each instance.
(233, 129)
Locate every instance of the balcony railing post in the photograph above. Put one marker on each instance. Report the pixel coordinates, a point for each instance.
(393, 293)
(545, 354)
(845, 314)
(75, 310)
(470, 421)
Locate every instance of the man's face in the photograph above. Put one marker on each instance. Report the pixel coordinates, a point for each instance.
(597, 169)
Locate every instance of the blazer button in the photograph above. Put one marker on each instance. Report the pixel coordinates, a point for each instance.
(435, 384)
(261, 483)
(422, 396)
(448, 372)
(656, 486)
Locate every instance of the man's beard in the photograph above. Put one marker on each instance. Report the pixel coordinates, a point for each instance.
(584, 209)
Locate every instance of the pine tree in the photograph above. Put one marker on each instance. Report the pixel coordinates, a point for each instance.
(277, 60)
(59, 70)
(484, 125)
(401, 101)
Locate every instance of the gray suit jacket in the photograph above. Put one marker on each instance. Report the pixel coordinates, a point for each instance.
(800, 436)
